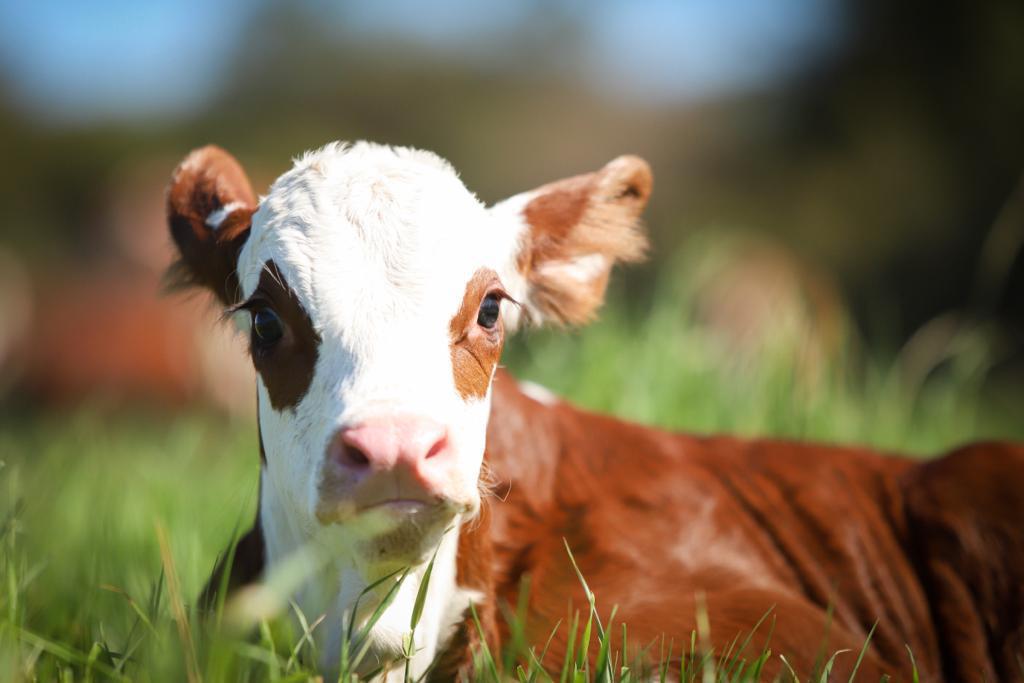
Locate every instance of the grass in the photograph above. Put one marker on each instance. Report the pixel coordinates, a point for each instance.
(110, 523)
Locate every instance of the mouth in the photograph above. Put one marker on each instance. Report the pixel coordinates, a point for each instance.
(387, 510)
(399, 506)
(401, 531)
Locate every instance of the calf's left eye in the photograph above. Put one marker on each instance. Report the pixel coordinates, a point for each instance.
(490, 309)
(266, 327)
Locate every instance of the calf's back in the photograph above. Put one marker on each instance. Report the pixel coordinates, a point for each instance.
(828, 542)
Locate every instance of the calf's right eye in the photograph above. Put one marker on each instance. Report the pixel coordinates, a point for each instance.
(267, 328)
(490, 309)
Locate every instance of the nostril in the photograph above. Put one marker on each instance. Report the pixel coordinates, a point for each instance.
(351, 455)
(439, 446)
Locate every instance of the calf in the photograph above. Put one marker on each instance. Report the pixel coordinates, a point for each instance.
(377, 292)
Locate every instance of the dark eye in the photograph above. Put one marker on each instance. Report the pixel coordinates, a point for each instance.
(266, 327)
(489, 311)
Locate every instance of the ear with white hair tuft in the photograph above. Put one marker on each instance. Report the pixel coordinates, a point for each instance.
(573, 232)
(210, 204)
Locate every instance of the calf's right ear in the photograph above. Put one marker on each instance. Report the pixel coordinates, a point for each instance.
(571, 233)
(210, 204)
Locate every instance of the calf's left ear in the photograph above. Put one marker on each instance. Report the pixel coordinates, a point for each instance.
(210, 204)
(572, 232)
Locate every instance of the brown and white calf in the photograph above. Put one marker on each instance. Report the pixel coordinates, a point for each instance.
(377, 292)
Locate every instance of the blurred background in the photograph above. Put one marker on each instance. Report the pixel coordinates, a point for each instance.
(844, 175)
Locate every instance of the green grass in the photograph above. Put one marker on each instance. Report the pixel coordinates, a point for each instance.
(96, 510)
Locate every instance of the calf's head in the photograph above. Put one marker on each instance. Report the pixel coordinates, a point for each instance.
(377, 292)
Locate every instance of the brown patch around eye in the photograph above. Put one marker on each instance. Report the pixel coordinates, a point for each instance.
(286, 368)
(475, 350)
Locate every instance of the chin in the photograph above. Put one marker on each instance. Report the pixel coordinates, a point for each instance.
(406, 539)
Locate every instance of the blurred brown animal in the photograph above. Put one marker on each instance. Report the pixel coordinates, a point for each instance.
(114, 340)
(99, 330)
(757, 298)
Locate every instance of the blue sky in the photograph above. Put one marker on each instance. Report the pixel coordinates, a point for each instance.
(74, 60)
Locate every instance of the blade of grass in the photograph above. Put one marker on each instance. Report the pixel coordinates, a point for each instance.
(517, 625)
(823, 648)
(913, 665)
(538, 663)
(267, 641)
(827, 670)
(307, 636)
(372, 587)
(131, 603)
(666, 660)
(64, 652)
(746, 641)
(225, 576)
(602, 668)
(364, 638)
(421, 594)
(409, 641)
(863, 650)
(584, 651)
(486, 651)
(177, 605)
(586, 588)
(568, 662)
(789, 669)
(704, 633)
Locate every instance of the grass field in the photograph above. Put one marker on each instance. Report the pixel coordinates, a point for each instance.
(97, 509)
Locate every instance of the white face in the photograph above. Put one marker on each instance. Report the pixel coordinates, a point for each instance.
(372, 277)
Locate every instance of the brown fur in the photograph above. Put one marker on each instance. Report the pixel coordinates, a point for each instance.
(246, 566)
(208, 179)
(474, 350)
(287, 368)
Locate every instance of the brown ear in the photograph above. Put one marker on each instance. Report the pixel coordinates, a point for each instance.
(209, 210)
(577, 229)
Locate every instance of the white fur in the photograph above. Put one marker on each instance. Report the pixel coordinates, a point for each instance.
(538, 393)
(216, 218)
(509, 215)
(378, 244)
(580, 270)
(704, 544)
